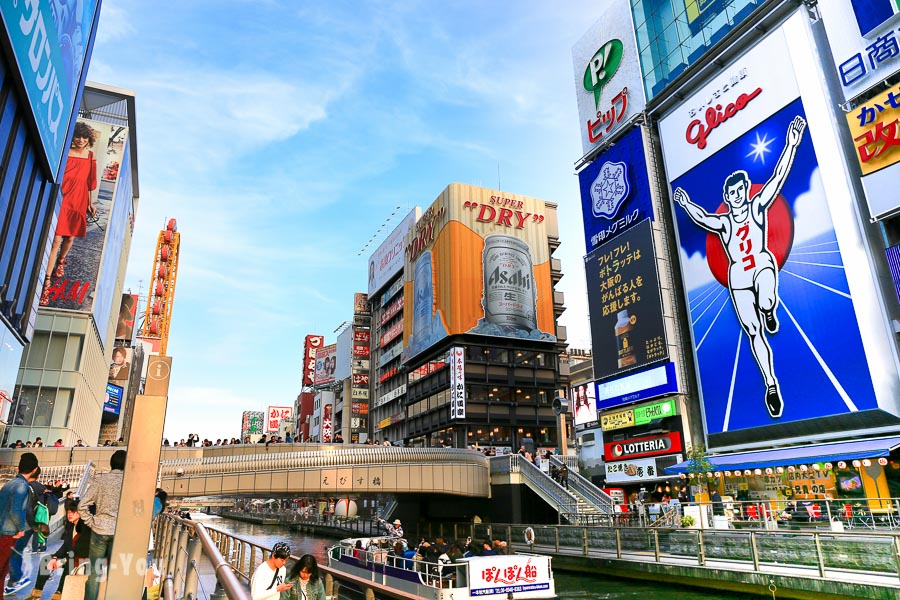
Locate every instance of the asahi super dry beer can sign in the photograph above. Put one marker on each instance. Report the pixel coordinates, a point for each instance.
(478, 262)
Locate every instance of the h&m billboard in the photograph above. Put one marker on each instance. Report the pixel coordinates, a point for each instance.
(478, 262)
(783, 332)
(92, 220)
(615, 190)
(608, 83)
(387, 260)
(51, 42)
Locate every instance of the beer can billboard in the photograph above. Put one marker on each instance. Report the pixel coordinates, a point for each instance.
(783, 332)
(478, 262)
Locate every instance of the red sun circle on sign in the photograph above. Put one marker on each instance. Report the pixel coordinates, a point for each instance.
(779, 237)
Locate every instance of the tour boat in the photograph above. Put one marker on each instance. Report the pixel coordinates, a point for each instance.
(517, 576)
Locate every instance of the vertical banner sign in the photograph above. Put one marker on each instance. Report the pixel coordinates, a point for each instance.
(312, 343)
(774, 326)
(624, 299)
(327, 425)
(457, 383)
(50, 42)
(127, 312)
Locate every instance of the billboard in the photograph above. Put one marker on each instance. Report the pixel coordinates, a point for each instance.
(84, 224)
(478, 262)
(252, 422)
(326, 363)
(627, 328)
(608, 83)
(310, 345)
(862, 35)
(127, 314)
(636, 470)
(275, 415)
(361, 304)
(654, 445)
(120, 367)
(51, 44)
(874, 128)
(113, 402)
(583, 403)
(773, 315)
(387, 260)
(637, 385)
(615, 190)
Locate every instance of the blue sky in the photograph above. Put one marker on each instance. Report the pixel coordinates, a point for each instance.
(281, 135)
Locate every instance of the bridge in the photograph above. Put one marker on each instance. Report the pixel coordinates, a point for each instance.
(252, 470)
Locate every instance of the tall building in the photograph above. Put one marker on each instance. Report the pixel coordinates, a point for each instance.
(770, 149)
(477, 363)
(61, 390)
(36, 128)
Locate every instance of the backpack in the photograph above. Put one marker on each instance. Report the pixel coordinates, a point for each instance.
(37, 516)
(52, 503)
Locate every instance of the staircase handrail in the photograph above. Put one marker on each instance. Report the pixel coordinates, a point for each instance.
(590, 492)
(566, 502)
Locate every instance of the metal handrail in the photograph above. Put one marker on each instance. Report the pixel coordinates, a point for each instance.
(590, 492)
(173, 533)
(566, 502)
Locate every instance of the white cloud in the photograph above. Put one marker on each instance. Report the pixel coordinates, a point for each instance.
(811, 214)
(695, 269)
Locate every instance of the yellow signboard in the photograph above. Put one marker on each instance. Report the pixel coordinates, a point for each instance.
(876, 132)
(617, 420)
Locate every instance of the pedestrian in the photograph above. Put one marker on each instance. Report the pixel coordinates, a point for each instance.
(306, 580)
(395, 530)
(15, 500)
(76, 538)
(564, 476)
(269, 577)
(103, 492)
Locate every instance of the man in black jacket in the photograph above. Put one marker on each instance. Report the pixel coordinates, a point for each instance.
(76, 542)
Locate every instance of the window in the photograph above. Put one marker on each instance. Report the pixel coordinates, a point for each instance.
(43, 410)
(55, 351)
(37, 350)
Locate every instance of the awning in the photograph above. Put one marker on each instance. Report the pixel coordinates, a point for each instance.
(782, 457)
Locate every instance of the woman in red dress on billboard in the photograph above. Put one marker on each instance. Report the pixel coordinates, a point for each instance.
(79, 180)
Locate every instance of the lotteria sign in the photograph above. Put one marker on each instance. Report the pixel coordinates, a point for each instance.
(608, 82)
(668, 443)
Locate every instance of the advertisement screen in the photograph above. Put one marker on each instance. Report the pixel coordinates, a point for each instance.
(120, 367)
(873, 127)
(775, 332)
(478, 262)
(387, 260)
(113, 403)
(627, 329)
(608, 83)
(88, 192)
(615, 190)
(50, 41)
(326, 363)
(584, 404)
(127, 314)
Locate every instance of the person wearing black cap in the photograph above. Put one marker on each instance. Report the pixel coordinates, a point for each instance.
(267, 582)
(14, 504)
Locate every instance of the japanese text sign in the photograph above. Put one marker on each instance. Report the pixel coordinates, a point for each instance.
(876, 132)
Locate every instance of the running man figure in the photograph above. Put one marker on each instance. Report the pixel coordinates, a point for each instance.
(752, 272)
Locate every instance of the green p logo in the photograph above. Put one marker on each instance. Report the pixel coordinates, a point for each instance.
(602, 67)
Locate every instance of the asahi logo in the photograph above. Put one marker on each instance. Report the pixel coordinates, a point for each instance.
(518, 278)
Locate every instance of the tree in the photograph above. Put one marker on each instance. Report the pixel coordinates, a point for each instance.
(698, 464)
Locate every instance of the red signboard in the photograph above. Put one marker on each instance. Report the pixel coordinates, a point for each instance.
(668, 443)
(360, 350)
(391, 311)
(360, 380)
(312, 343)
(392, 333)
(361, 335)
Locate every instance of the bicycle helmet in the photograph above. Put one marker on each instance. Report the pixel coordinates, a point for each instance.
(281, 550)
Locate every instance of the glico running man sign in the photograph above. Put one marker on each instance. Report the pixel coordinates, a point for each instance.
(775, 332)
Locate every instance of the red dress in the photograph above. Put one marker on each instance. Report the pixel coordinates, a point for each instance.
(79, 180)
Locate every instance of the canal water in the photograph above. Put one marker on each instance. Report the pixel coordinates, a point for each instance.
(568, 585)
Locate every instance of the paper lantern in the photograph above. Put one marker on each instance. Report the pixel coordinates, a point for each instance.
(882, 461)
(866, 462)
(779, 470)
(791, 469)
(856, 463)
(804, 468)
(828, 466)
(842, 464)
(727, 473)
(748, 472)
(769, 471)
